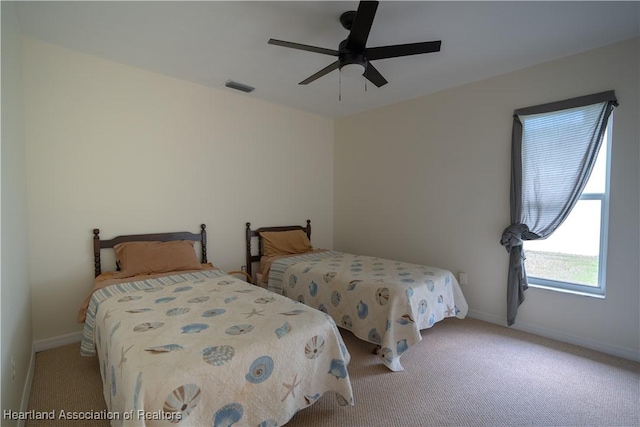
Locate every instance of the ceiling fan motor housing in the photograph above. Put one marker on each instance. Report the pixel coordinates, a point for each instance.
(346, 56)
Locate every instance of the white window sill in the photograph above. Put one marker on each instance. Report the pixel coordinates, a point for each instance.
(566, 291)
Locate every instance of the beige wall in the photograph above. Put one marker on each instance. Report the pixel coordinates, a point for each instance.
(14, 290)
(427, 181)
(129, 151)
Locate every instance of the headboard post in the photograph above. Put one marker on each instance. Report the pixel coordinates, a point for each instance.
(309, 229)
(96, 252)
(203, 241)
(248, 249)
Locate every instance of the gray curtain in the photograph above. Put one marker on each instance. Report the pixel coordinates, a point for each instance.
(548, 174)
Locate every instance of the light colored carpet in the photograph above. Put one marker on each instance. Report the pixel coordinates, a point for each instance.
(463, 373)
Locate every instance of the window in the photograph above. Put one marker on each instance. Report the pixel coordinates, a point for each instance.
(573, 258)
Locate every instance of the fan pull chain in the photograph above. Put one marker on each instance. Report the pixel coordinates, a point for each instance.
(339, 86)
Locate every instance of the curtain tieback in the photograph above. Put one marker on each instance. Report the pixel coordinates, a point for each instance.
(514, 234)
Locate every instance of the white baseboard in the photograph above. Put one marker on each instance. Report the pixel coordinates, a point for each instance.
(49, 343)
(26, 392)
(624, 353)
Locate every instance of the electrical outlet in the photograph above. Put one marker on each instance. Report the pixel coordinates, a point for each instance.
(464, 280)
(13, 369)
(243, 268)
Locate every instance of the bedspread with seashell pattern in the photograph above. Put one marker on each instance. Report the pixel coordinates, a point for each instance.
(381, 301)
(206, 348)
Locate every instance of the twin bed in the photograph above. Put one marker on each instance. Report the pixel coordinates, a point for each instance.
(193, 345)
(181, 342)
(381, 301)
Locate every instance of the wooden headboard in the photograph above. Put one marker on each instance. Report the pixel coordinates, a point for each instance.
(157, 237)
(256, 233)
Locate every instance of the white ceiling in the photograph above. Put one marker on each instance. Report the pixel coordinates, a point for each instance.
(211, 42)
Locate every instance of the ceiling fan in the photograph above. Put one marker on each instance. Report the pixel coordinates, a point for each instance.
(353, 52)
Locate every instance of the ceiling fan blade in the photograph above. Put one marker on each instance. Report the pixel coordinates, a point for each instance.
(402, 50)
(361, 26)
(304, 47)
(325, 70)
(374, 76)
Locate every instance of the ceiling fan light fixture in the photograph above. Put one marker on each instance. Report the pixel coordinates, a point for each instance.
(352, 70)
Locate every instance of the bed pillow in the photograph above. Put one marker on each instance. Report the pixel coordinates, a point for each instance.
(135, 258)
(285, 242)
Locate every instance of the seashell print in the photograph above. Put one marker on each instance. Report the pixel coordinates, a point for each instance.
(430, 285)
(283, 330)
(379, 274)
(198, 281)
(377, 263)
(405, 319)
(341, 400)
(408, 281)
(147, 326)
(440, 299)
(231, 298)
(314, 347)
(139, 310)
(353, 284)
(310, 399)
(338, 369)
(300, 299)
(293, 312)
(194, 328)
(422, 306)
(244, 291)
(355, 270)
(225, 282)
(136, 392)
(306, 270)
(268, 423)
(322, 308)
(430, 273)
(388, 327)
(292, 281)
(181, 402)
(113, 331)
(386, 354)
(129, 298)
(401, 346)
(329, 276)
(214, 312)
(183, 288)
(260, 370)
(335, 298)
(343, 350)
(218, 355)
(313, 288)
(239, 329)
(165, 299)
(374, 336)
(382, 296)
(409, 292)
(363, 310)
(198, 299)
(153, 290)
(447, 279)
(404, 274)
(264, 300)
(113, 380)
(356, 264)
(167, 348)
(346, 322)
(377, 269)
(177, 311)
(432, 320)
(228, 415)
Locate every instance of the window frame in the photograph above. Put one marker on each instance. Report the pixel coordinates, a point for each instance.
(577, 288)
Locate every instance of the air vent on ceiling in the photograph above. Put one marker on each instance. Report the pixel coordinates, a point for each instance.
(238, 86)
